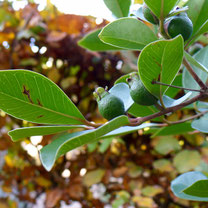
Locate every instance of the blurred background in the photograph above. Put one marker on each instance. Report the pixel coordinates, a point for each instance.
(129, 172)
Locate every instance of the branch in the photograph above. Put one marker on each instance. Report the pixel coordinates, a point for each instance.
(141, 120)
(183, 88)
(187, 119)
(194, 75)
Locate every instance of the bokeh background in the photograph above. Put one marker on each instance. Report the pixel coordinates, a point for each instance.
(132, 171)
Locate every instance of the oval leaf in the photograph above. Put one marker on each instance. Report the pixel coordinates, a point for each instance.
(119, 8)
(188, 80)
(127, 33)
(160, 61)
(198, 189)
(30, 96)
(161, 8)
(93, 43)
(197, 12)
(65, 143)
(186, 160)
(184, 181)
(21, 133)
(201, 124)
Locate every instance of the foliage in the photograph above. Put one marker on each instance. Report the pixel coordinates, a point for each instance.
(149, 156)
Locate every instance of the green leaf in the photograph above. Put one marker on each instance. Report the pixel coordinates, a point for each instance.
(173, 129)
(197, 13)
(21, 133)
(128, 129)
(105, 144)
(202, 30)
(93, 177)
(119, 8)
(198, 189)
(163, 165)
(184, 181)
(201, 124)
(160, 61)
(172, 92)
(65, 143)
(122, 79)
(151, 191)
(166, 145)
(188, 80)
(161, 8)
(127, 33)
(30, 96)
(141, 110)
(93, 43)
(122, 91)
(194, 62)
(186, 160)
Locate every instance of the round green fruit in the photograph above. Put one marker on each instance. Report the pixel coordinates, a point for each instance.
(139, 93)
(148, 14)
(179, 25)
(109, 105)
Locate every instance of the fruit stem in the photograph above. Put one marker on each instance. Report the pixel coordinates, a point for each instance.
(194, 75)
(162, 30)
(183, 88)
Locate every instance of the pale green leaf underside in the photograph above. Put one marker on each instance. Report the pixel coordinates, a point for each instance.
(21, 133)
(184, 181)
(201, 124)
(169, 102)
(198, 189)
(122, 91)
(161, 8)
(127, 33)
(30, 96)
(195, 62)
(160, 61)
(120, 8)
(65, 143)
(93, 43)
(188, 80)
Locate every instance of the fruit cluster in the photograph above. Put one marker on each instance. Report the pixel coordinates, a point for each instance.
(111, 106)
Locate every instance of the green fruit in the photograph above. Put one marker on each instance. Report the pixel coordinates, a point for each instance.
(149, 15)
(139, 93)
(179, 25)
(109, 105)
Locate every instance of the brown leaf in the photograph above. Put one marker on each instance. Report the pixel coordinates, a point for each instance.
(55, 36)
(118, 172)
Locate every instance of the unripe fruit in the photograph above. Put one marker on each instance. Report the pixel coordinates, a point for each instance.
(148, 14)
(109, 105)
(179, 25)
(139, 93)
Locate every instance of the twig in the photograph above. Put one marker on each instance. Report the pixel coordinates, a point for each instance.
(194, 75)
(187, 119)
(141, 120)
(183, 88)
